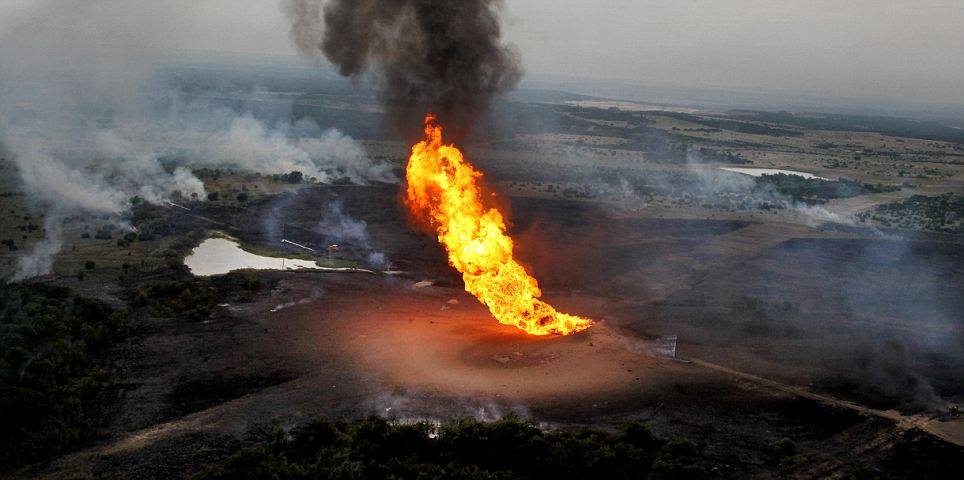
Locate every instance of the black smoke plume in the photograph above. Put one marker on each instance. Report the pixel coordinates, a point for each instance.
(434, 56)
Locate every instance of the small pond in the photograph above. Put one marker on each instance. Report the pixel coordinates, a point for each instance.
(758, 172)
(217, 256)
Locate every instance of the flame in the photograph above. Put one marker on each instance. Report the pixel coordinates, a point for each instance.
(443, 192)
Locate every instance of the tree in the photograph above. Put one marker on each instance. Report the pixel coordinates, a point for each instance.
(294, 177)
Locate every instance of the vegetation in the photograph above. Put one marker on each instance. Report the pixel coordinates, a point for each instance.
(898, 127)
(710, 155)
(105, 233)
(943, 213)
(54, 381)
(813, 190)
(294, 177)
(732, 125)
(782, 452)
(195, 298)
(466, 449)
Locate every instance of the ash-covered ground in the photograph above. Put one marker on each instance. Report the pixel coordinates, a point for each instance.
(845, 343)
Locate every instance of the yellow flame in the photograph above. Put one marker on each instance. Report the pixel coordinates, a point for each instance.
(442, 191)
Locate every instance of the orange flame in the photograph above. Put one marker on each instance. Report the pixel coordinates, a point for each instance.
(442, 191)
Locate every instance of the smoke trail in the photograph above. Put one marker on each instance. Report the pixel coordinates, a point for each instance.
(443, 57)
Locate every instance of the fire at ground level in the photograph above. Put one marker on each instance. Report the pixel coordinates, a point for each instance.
(765, 340)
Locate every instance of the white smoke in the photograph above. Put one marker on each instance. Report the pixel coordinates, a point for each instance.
(342, 228)
(246, 142)
(41, 259)
(414, 407)
(717, 183)
(89, 125)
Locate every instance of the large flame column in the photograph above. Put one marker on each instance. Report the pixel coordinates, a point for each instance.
(442, 191)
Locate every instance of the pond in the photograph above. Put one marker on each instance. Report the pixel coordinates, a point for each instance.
(217, 256)
(757, 172)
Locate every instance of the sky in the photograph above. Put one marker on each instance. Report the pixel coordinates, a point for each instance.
(890, 50)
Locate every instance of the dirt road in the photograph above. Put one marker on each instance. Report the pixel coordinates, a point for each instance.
(926, 423)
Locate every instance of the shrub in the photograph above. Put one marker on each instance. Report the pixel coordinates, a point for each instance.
(104, 233)
(51, 399)
(294, 177)
(195, 298)
(782, 451)
(463, 449)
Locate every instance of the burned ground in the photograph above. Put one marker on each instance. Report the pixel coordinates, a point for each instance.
(324, 345)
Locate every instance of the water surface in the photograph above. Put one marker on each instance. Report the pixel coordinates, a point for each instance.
(217, 256)
(758, 172)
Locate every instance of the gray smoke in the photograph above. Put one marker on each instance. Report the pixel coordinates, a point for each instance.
(433, 56)
(342, 228)
(885, 375)
(41, 259)
(89, 119)
(414, 406)
(723, 188)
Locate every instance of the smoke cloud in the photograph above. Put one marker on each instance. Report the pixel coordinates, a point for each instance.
(91, 118)
(41, 259)
(340, 227)
(432, 56)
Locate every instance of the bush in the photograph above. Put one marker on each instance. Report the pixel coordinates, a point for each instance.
(679, 460)
(53, 380)
(195, 298)
(104, 233)
(464, 449)
(815, 191)
(294, 177)
(782, 451)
